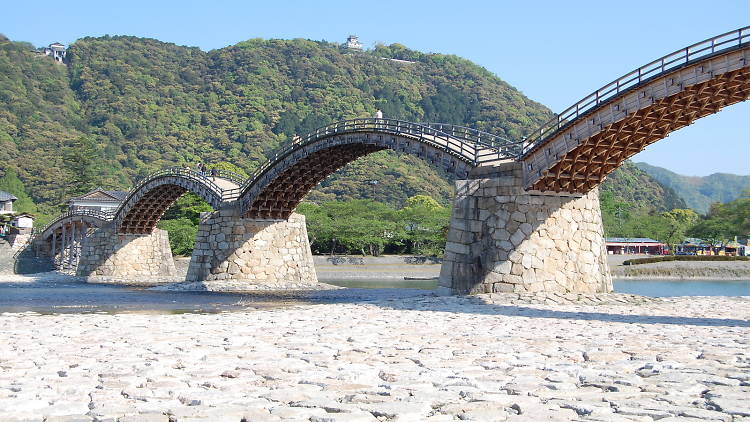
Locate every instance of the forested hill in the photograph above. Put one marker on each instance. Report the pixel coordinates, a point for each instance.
(136, 105)
(127, 106)
(700, 192)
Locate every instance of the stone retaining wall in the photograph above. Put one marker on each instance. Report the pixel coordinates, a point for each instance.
(264, 253)
(129, 256)
(505, 239)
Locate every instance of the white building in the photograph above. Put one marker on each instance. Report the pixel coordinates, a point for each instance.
(6, 202)
(352, 43)
(56, 51)
(22, 221)
(98, 200)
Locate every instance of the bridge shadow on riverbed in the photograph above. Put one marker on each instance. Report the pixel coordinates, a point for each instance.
(472, 305)
(68, 295)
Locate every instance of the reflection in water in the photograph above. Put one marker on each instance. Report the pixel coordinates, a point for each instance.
(74, 297)
(386, 284)
(660, 288)
(79, 297)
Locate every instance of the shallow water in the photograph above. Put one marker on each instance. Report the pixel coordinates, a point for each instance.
(78, 297)
(661, 288)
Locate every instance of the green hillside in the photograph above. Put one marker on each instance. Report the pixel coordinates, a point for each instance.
(700, 192)
(127, 106)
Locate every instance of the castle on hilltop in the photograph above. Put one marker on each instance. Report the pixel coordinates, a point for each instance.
(352, 43)
(56, 51)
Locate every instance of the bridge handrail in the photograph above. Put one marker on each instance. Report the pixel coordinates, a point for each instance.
(466, 143)
(80, 212)
(638, 77)
(180, 171)
(203, 177)
(470, 134)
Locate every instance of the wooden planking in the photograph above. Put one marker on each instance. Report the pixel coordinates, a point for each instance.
(586, 165)
(618, 129)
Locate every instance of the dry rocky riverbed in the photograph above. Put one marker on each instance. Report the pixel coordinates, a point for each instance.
(413, 359)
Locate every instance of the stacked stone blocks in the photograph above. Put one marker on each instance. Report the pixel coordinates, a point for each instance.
(108, 253)
(505, 239)
(262, 253)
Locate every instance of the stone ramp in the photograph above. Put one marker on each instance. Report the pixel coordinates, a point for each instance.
(6, 258)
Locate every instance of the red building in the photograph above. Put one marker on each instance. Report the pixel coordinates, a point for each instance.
(634, 245)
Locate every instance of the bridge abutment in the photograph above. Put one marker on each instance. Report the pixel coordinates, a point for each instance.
(251, 253)
(505, 239)
(105, 252)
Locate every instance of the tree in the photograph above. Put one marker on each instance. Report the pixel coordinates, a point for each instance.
(81, 160)
(724, 221)
(10, 183)
(182, 233)
(677, 222)
(426, 223)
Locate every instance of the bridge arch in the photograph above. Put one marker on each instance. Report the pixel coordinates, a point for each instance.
(276, 189)
(576, 150)
(151, 197)
(89, 218)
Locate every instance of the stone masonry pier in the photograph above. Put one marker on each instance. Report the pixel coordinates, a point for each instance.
(252, 253)
(128, 256)
(505, 239)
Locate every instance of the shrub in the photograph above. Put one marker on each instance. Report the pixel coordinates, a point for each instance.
(666, 258)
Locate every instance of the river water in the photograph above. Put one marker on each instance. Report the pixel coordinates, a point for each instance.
(78, 297)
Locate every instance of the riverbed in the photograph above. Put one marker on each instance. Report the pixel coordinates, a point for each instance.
(55, 293)
(421, 358)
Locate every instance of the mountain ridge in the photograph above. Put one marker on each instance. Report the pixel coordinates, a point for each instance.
(699, 192)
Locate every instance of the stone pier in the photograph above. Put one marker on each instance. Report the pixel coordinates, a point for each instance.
(247, 253)
(505, 239)
(129, 256)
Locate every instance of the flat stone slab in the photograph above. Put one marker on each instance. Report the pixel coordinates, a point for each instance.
(419, 358)
(237, 286)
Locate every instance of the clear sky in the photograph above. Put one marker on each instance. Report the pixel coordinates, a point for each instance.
(555, 52)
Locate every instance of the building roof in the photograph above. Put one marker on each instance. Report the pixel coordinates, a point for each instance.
(631, 240)
(5, 196)
(102, 195)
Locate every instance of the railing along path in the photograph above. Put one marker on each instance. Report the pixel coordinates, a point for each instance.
(473, 146)
(719, 44)
(83, 212)
(204, 178)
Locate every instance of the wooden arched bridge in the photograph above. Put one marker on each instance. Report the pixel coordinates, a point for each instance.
(526, 214)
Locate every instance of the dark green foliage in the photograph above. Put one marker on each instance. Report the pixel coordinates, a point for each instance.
(39, 118)
(9, 182)
(182, 234)
(724, 221)
(127, 106)
(635, 187)
(633, 204)
(188, 206)
(181, 222)
(139, 105)
(668, 258)
(82, 160)
(700, 192)
(372, 228)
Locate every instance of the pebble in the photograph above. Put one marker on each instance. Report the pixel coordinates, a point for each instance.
(480, 358)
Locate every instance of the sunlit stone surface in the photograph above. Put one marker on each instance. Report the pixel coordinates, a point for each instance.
(431, 358)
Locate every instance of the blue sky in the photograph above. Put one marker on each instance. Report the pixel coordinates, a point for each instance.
(554, 52)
